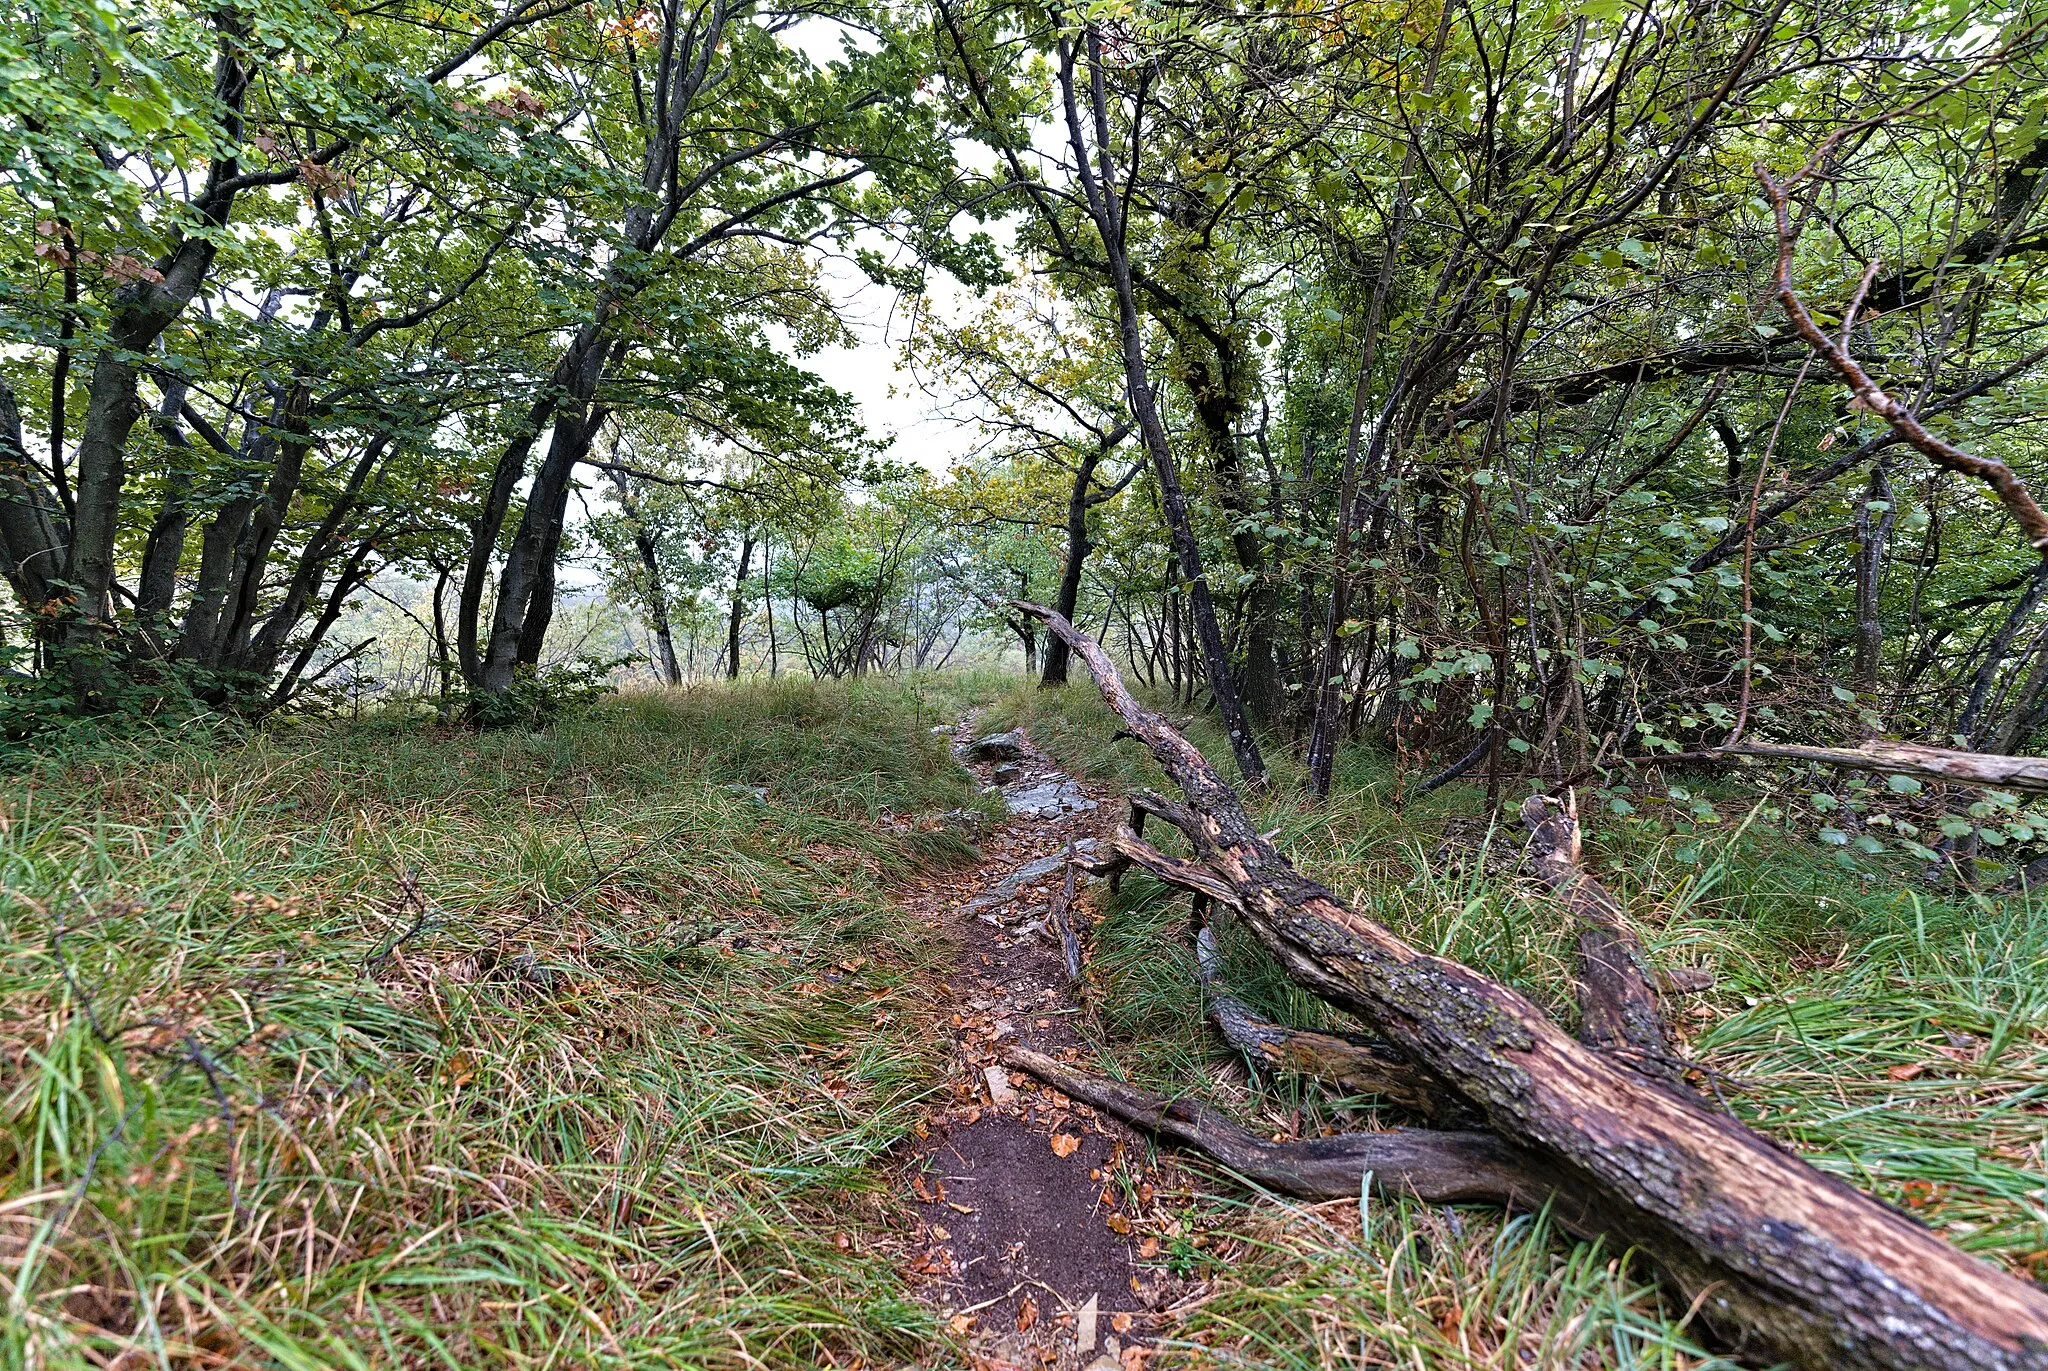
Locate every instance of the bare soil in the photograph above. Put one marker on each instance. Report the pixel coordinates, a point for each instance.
(1029, 1206)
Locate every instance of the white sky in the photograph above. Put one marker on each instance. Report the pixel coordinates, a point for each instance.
(891, 404)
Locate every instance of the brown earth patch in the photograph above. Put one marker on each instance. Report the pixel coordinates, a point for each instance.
(1034, 1216)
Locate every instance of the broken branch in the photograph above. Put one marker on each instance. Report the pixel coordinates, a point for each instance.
(2003, 482)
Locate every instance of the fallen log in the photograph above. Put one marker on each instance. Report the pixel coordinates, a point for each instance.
(1779, 1258)
(1899, 759)
(1354, 1064)
(1436, 1165)
(1060, 918)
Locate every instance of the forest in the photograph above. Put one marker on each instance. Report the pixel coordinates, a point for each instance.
(1429, 753)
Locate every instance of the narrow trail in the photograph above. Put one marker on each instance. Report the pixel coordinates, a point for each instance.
(1038, 1222)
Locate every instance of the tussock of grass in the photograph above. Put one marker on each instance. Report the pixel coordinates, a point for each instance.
(1830, 986)
(372, 1045)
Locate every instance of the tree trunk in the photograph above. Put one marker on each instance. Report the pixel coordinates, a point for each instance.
(739, 608)
(1056, 652)
(490, 523)
(1107, 215)
(1775, 1255)
(525, 602)
(1872, 538)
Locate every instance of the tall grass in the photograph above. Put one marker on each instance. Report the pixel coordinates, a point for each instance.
(375, 1045)
(1887, 1033)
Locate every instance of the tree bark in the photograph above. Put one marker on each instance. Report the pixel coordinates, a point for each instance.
(1777, 1256)
(1619, 1009)
(739, 607)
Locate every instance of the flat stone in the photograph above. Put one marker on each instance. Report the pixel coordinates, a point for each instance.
(1048, 800)
(1005, 890)
(1032, 870)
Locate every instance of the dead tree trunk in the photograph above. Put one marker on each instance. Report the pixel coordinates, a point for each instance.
(1778, 1257)
(1619, 1010)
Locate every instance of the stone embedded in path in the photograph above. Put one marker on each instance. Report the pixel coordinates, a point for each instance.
(998, 747)
(1006, 889)
(1048, 799)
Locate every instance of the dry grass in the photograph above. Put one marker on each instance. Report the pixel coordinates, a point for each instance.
(371, 1045)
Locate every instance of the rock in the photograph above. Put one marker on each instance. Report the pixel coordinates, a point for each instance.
(1032, 870)
(527, 967)
(1007, 773)
(998, 747)
(756, 793)
(1005, 890)
(1048, 800)
(998, 1081)
(968, 823)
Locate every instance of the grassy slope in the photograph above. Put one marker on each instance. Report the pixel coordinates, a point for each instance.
(1829, 986)
(377, 1045)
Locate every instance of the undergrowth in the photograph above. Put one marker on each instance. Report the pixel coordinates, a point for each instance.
(1889, 1033)
(376, 1044)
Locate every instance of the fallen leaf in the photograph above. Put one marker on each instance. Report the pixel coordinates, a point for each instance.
(942, 1234)
(1027, 1314)
(1136, 1357)
(1907, 1072)
(1118, 1224)
(1149, 1248)
(1120, 1322)
(959, 1208)
(961, 1323)
(1064, 1144)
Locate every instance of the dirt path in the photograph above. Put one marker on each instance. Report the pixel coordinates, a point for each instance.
(1038, 1232)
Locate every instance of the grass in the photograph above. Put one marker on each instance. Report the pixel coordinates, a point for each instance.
(1889, 1034)
(372, 1044)
(375, 1045)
